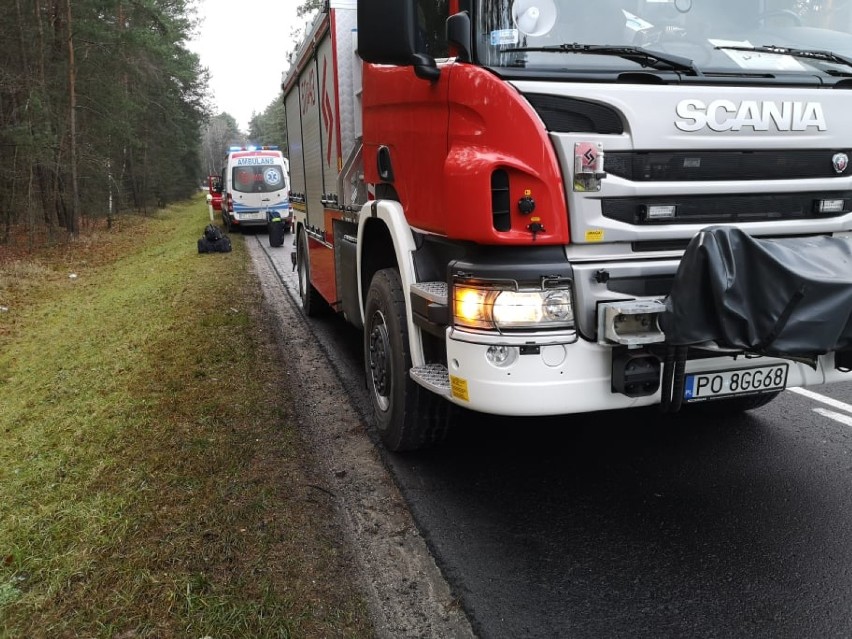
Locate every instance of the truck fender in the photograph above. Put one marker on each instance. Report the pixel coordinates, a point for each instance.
(392, 215)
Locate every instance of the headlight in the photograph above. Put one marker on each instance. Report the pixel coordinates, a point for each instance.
(482, 307)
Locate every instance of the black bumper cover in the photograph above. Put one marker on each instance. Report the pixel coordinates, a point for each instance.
(789, 297)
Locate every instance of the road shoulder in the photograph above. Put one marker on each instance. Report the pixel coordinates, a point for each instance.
(407, 594)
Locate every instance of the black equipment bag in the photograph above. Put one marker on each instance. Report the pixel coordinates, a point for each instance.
(214, 241)
(212, 233)
(275, 228)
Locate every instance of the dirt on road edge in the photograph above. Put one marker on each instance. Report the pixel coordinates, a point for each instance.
(406, 592)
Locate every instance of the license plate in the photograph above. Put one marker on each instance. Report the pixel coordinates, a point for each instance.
(260, 215)
(742, 381)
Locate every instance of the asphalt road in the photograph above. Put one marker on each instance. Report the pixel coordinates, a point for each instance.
(635, 524)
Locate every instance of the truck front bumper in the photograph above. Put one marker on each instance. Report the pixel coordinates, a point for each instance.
(555, 377)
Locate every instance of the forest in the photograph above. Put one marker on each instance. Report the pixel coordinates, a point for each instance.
(104, 110)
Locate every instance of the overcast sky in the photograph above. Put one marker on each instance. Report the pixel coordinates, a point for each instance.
(244, 44)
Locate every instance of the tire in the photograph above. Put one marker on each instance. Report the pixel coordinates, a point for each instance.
(313, 303)
(733, 405)
(407, 416)
(226, 222)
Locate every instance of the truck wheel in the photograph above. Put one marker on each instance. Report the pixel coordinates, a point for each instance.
(312, 302)
(733, 405)
(408, 416)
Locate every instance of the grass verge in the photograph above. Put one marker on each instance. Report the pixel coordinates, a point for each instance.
(152, 483)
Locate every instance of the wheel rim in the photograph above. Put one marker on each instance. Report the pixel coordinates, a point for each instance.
(380, 363)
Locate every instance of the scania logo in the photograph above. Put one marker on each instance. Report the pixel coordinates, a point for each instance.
(840, 161)
(725, 115)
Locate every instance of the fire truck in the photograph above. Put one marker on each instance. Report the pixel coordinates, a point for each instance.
(214, 195)
(551, 207)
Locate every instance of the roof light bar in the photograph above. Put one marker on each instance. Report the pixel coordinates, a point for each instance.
(266, 147)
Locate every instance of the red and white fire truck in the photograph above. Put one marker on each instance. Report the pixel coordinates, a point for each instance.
(214, 195)
(546, 207)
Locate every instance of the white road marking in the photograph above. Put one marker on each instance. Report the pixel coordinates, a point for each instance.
(846, 420)
(828, 401)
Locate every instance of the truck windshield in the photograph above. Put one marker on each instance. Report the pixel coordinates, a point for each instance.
(259, 179)
(724, 37)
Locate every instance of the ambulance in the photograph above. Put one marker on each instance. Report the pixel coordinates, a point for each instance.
(255, 185)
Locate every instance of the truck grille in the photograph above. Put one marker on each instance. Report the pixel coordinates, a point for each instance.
(698, 165)
(713, 209)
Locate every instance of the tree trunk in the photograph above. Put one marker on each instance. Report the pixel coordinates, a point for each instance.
(72, 125)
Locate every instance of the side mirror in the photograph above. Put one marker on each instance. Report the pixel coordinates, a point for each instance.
(458, 35)
(386, 31)
(387, 34)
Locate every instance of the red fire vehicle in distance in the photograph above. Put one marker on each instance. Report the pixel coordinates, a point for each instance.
(214, 195)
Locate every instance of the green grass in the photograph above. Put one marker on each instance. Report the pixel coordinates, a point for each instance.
(150, 474)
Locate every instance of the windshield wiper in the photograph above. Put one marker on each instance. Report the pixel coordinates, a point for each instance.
(812, 54)
(636, 54)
